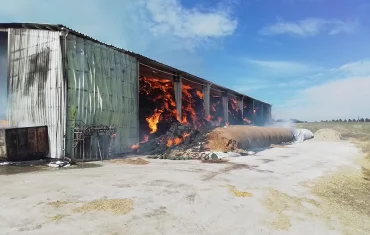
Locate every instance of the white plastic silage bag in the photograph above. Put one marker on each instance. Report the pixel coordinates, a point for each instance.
(301, 135)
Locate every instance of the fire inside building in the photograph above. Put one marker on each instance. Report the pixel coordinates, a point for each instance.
(97, 100)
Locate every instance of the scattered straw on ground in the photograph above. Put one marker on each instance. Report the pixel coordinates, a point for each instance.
(57, 217)
(238, 193)
(327, 135)
(115, 206)
(347, 198)
(138, 161)
(280, 203)
(58, 204)
(231, 167)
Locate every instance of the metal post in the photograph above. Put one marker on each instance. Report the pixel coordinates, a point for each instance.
(241, 106)
(178, 94)
(262, 115)
(206, 99)
(253, 112)
(225, 106)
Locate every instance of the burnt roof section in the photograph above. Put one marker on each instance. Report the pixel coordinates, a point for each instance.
(141, 58)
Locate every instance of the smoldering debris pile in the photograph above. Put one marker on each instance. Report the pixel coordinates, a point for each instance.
(183, 142)
(179, 138)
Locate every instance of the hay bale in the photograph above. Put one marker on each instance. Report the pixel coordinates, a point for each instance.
(246, 137)
(327, 135)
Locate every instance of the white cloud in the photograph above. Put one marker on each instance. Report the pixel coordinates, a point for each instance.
(164, 30)
(310, 27)
(285, 68)
(346, 94)
(169, 17)
(359, 68)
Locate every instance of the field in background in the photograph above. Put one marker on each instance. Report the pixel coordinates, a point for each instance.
(358, 133)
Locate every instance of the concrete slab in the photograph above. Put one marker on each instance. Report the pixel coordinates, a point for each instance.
(176, 197)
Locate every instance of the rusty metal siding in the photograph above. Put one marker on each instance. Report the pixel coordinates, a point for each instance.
(102, 89)
(30, 143)
(36, 84)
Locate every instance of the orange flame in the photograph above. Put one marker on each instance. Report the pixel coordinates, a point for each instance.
(169, 143)
(162, 91)
(177, 140)
(153, 120)
(188, 110)
(135, 146)
(200, 94)
(185, 135)
(165, 105)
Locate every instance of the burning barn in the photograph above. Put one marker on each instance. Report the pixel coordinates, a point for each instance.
(98, 100)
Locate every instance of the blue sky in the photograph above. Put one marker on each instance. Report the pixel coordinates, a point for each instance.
(309, 58)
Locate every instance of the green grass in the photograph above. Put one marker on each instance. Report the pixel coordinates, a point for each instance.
(358, 133)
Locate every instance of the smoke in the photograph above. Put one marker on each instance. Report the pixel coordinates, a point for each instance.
(3, 75)
(282, 124)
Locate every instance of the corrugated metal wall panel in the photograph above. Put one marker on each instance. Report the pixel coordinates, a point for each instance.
(36, 84)
(102, 89)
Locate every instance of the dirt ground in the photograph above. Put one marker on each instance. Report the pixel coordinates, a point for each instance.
(315, 187)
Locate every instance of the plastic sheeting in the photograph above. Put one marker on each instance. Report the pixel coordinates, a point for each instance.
(301, 135)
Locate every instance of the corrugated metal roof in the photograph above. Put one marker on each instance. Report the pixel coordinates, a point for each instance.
(141, 58)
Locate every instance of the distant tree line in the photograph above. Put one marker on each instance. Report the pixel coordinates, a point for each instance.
(289, 120)
(349, 120)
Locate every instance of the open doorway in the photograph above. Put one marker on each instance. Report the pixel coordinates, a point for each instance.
(3, 77)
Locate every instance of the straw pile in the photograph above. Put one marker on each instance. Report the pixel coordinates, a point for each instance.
(327, 135)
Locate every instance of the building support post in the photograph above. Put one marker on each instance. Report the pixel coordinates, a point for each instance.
(241, 105)
(225, 106)
(269, 114)
(253, 113)
(207, 99)
(262, 115)
(177, 80)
